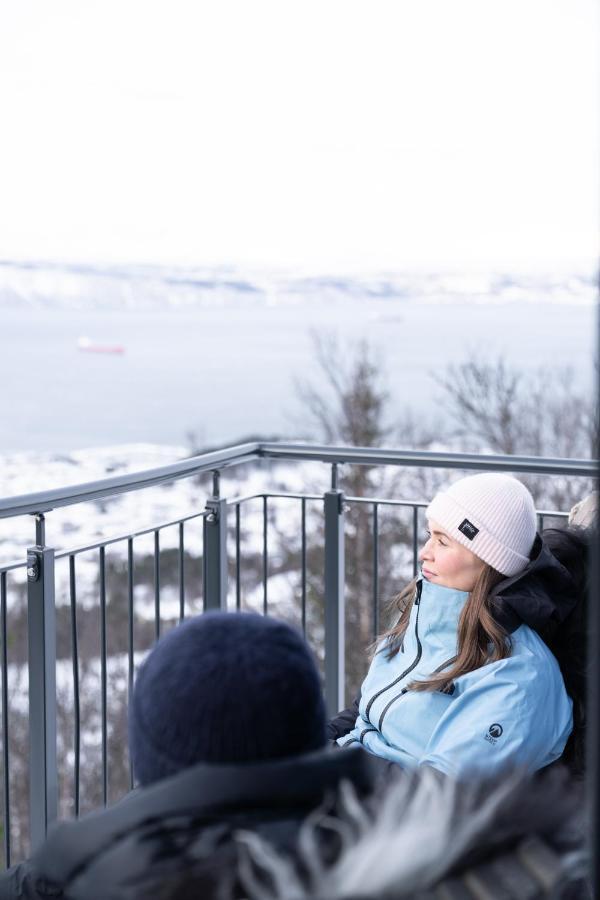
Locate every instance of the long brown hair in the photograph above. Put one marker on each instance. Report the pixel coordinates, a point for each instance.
(480, 638)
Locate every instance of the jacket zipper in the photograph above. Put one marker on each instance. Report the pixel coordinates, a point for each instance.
(412, 665)
(406, 689)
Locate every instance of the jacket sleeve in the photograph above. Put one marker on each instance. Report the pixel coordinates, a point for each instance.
(513, 717)
(343, 722)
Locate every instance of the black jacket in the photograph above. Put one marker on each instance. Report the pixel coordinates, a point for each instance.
(544, 594)
(184, 826)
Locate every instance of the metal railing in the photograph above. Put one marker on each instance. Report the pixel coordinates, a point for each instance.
(214, 517)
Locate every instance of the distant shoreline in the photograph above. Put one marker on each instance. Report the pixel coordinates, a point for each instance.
(145, 287)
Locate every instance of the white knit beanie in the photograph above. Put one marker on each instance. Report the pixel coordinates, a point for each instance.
(492, 515)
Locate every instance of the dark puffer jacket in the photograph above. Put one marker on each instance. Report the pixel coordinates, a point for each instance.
(182, 826)
(545, 593)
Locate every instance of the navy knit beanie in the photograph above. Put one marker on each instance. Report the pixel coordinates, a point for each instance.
(224, 688)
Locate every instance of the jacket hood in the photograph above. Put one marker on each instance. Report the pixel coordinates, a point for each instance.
(542, 595)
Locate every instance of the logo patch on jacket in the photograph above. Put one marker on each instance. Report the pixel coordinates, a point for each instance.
(493, 733)
(468, 529)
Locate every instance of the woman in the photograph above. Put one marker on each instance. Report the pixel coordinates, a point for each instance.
(463, 681)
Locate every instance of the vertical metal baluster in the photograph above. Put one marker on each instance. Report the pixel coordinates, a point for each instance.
(375, 570)
(41, 664)
(238, 580)
(76, 706)
(335, 615)
(214, 552)
(540, 520)
(202, 572)
(5, 755)
(265, 556)
(415, 540)
(130, 614)
(103, 674)
(181, 573)
(156, 585)
(303, 557)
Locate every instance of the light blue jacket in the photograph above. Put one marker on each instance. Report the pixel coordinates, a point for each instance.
(510, 713)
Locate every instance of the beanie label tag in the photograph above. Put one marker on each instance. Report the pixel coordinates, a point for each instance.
(468, 529)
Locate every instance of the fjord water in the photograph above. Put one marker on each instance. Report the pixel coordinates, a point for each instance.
(224, 371)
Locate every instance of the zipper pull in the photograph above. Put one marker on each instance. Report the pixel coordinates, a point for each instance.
(418, 592)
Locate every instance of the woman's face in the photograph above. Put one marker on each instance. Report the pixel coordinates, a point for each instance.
(447, 562)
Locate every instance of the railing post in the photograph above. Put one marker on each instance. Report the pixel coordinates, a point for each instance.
(214, 560)
(41, 625)
(334, 597)
(592, 783)
(593, 728)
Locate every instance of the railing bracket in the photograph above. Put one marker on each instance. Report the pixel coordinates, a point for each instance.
(33, 566)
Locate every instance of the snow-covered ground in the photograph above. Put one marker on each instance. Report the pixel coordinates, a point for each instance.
(72, 527)
(85, 523)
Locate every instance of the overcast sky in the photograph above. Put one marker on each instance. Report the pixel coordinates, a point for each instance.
(327, 133)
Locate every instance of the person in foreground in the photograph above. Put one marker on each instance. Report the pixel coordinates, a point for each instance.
(463, 682)
(227, 732)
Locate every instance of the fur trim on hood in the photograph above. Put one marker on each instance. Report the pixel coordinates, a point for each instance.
(431, 837)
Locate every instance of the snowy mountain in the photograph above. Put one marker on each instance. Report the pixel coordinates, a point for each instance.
(81, 286)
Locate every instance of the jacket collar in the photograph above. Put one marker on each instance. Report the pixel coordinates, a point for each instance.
(439, 607)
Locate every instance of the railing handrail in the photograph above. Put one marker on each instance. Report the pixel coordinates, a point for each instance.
(44, 501)
(370, 456)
